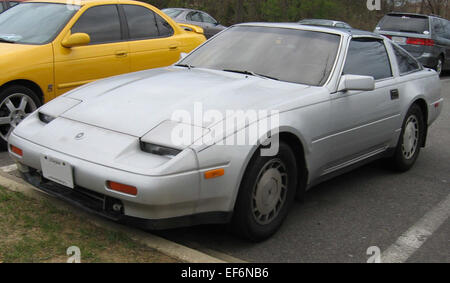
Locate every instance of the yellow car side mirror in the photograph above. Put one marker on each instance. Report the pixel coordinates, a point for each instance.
(76, 39)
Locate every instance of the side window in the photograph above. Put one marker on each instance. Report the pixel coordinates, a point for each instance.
(368, 57)
(13, 3)
(406, 63)
(101, 23)
(208, 19)
(165, 29)
(195, 17)
(447, 30)
(141, 22)
(1, 7)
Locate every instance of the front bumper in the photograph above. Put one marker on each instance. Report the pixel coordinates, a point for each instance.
(103, 205)
(162, 202)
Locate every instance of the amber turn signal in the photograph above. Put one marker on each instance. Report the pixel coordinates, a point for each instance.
(16, 150)
(129, 190)
(214, 173)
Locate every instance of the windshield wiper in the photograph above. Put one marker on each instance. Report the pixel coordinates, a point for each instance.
(185, 66)
(251, 74)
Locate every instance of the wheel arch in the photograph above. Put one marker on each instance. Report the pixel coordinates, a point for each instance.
(297, 145)
(424, 107)
(26, 83)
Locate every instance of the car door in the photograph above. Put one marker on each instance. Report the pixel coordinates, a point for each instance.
(364, 122)
(152, 40)
(105, 56)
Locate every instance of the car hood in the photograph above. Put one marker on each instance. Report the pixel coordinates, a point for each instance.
(136, 103)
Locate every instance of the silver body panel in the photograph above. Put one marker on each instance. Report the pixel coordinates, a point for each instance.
(336, 129)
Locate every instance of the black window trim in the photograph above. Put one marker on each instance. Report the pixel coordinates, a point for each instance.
(122, 29)
(373, 38)
(125, 22)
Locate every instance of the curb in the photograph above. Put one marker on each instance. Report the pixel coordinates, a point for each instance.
(169, 248)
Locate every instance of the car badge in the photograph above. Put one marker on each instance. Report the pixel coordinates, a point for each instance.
(79, 136)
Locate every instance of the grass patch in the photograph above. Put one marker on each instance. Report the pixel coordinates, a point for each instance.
(37, 231)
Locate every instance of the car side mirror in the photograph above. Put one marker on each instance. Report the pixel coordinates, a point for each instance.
(355, 82)
(76, 39)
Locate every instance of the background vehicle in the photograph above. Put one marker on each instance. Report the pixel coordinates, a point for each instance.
(325, 23)
(358, 97)
(48, 48)
(426, 37)
(5, 4)
(198, 18)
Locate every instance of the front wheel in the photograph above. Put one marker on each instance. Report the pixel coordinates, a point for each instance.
(16, 103)
(411, 140)
(266, 194)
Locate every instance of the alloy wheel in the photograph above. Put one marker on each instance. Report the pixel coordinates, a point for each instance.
(13, 110)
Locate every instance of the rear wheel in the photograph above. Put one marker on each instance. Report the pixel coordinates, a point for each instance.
(440, 65)
(266, 194)
(411, 140)
(16, 103)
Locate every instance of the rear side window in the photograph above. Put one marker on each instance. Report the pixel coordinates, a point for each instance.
(141, 22)
(195, 17)
(165, 29)
(406, 63)
(101, 23)
(173, 13)
(1, 7)
(368, 57)
(208, 19)
(405, 23)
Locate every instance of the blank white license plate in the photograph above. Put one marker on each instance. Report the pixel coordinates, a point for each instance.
(400, 40)
(57, 170)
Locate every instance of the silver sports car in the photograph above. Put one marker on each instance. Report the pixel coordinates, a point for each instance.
(233, 132)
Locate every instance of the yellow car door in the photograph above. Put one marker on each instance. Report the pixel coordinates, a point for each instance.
(153, 42)
(106, 55)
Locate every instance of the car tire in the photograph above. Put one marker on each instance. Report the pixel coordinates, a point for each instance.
(439, 68)
(411, 140)
(16, 103)
(266, 194)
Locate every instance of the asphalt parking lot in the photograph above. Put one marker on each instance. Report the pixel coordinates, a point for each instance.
(339, 220)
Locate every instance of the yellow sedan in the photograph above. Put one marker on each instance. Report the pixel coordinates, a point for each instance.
(50, 47)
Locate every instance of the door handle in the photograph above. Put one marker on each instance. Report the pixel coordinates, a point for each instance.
(395, 94)
(121, 53)
(173, 47)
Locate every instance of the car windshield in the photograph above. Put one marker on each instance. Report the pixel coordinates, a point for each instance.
(173, 13)
(405, 23)
(34, 23)
(291, 55)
